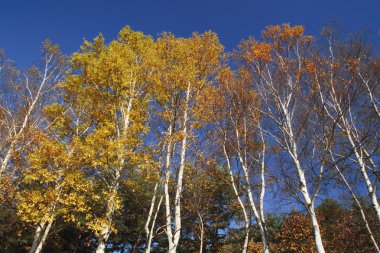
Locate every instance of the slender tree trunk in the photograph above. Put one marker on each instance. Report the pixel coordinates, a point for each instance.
(168, 229)
(41, 234)
(44, 227)
(262, 193)
(363, 171)
(258, 217)
(246, 237)
(373, 100)
(151, 209)
(12, 146)
(178, 196)
(37, 237)
(256, 213)
(149, 243)
(101, 247)
(111, 203)
(310, 208)
(309, 202)
(246, 219)
(106, 231)
(7, 157)
(149, 228)
(202, 233)
(21, 130)
(347, 128)
(317, 232)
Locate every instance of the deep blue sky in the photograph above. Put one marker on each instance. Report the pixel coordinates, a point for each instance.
(24, 24)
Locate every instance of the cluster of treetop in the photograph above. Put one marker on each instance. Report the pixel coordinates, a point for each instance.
(174, 145)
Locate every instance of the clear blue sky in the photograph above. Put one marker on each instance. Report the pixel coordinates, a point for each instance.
(24, 24)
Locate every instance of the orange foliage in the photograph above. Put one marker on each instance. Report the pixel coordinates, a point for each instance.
(309, 66)
(283, 32)
(296, 235)
(254, 50)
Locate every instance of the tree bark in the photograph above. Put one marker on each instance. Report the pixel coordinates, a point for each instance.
(150, 230)
(115, 184)
(343, 123)
(363, 171)
(41, 234)
(252, 204)
(106, 231)
(246, 219)
(178, 195)
(168, 228)
(149, 244)
(308, 201)
(152, 205)
(202, 233)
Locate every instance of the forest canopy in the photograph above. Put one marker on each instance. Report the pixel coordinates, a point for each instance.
(174, 144)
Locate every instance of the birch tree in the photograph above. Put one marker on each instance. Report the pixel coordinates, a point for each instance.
(278, 68)
(347, 90)
(111, 81)
(152, 217)
(186, 67)
(238, 129)
(25, 94)
(53, 187)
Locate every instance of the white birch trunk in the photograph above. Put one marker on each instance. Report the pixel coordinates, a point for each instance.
(106, 231)
(308, 201)
(115, 184)
(32, 105)
(178, 195)
(363, 171)
(345, 126)
(310, 207)
(252, 204)
(246, 219)
(317, 232)
(168, 228)
(348, 128)
(44, 227)
(37, 236)
(202, 233)
(374, 101)
(262, 195)
(282, 113)
(262, 175)
(101, 247)
(17, 135)
(149, 243)
(150, 214)
(7, 157)
(256, 213)
(246, 237)
(41, 234)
